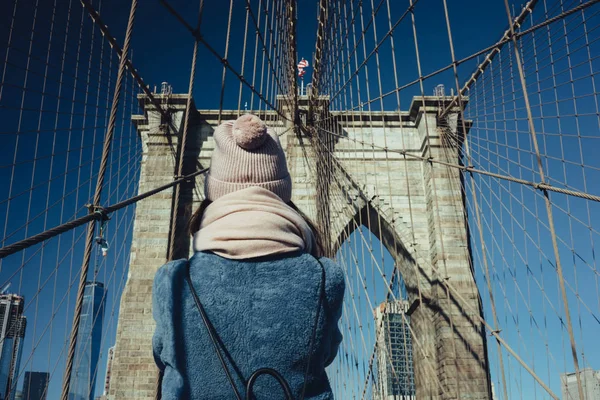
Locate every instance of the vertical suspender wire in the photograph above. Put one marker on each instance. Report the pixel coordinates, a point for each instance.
(387, 163)
(273, 49)
(337, 47)
(16, 148)
(548, 203)
(433, 180)
(534, 58)
(340, 203)
(293, 56)
(257, 35)
(476, 205)
(569, 200)
(21, 118)
(270, 12)
(328, 53)
(361, 221)
(183, 141)
(322, 186)
(50, 169)
(550, 58)
(286, 92)
(262, 68)
(97, 197)
(355, 54)
(79, 56)
(8, 46)
(504, 118)
(74, 237)
(597, 109)
(375, 190)
(4, 68)
(408, 191)
(287, 62)
(225, 61)
(64, 184)
(353, 373)
(365, 67)
(271, 57)
(13, 385)
(179, 171)
(395, 271)
(49, 179)
(243, 59)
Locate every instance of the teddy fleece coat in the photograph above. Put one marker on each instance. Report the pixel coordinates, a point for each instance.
(263, 311)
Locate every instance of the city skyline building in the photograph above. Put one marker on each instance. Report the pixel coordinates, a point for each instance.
(35, 385)
(590, 381)
(395, 378)
(12, 333)
(89, 340)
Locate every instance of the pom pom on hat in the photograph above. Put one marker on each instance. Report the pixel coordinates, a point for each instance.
(249, 132)
(247, 154)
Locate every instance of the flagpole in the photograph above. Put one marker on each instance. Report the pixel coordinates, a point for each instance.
(301, 65)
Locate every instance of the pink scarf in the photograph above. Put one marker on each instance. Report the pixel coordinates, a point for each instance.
(252, 222)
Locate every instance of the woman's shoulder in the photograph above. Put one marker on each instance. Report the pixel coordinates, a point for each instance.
(172, 273)
(167, 276)
(175, 269)
(170, 269)
(331, 266)
(335, 283)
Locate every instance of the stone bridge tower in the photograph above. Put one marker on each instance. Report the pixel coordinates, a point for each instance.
(429, 248)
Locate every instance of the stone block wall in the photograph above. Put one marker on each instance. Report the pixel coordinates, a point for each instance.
(416, 209)
(134, 374)
(413, 206)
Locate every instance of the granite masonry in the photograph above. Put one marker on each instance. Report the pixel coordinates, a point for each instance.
(414, 206)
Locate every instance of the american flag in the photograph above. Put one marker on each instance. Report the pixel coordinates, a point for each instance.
(302, 64)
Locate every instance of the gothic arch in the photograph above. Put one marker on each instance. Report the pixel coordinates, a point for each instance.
(372, 217)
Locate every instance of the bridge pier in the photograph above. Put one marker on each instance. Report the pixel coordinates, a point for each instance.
(460, 337)
(134, 374)
(414, 207)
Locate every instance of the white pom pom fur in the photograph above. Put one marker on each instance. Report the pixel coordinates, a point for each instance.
(249, 132)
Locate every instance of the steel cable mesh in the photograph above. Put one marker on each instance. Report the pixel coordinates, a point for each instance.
(507, 222)
(57, 80)
(411, 204)
(560, 73)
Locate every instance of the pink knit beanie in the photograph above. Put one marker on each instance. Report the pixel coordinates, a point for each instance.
(247, 153)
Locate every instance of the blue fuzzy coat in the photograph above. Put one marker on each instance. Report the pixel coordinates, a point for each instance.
(263, 310)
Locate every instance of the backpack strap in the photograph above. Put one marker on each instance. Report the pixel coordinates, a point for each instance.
(211, 331)
(261, 371)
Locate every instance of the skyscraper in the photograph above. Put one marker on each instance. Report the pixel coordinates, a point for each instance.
(89, 338)
(395, 378)
(590, 381)
(35, 385)
(12, 333)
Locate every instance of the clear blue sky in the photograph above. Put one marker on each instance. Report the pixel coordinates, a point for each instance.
(162, 51)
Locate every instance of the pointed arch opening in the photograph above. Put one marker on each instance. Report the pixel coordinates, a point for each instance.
(369, 219)
(380, 277)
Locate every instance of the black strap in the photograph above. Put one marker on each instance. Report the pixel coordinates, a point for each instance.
(269, 371)
(261, 371)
